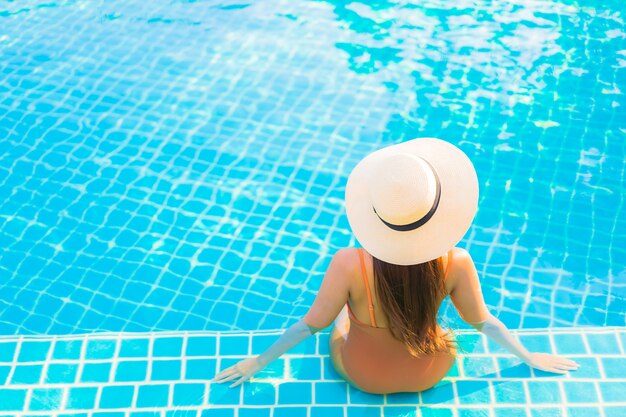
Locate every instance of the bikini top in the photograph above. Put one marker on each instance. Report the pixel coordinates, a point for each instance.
(369, 295)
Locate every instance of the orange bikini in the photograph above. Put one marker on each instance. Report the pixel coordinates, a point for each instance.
(378, 363)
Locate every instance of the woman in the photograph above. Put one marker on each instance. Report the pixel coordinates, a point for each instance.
(408, 206)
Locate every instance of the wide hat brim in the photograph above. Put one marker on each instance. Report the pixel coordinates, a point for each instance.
(453, 217)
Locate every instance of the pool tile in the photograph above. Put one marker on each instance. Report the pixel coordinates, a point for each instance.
(67, 349)
(220, 394)
(603, 343)
(544, 392)
(166, 370)
(612, 391)
(614, 367)
(234, 345)
(289, 412)
(33, 351)
(202, 369)
(81, 398)
(325, 411)
(12, 399)
(152, 396)
(7, 351)
(579, 392)
(356, 396)
(201, 346)
(100, 349)
(134, 348)
(259, 394)
(583, 412)
(442, 393)
(478, 366)
(361, 411)
(331, 393)
(295, 393)
(569, 343)
(96, 372)
(27, 374)
(305, 368)
(60, 373)
(400, 411)
(218, 412)
(615, 411)
(45, 399)
(474, 392)
(131, 371)
(510, 412)
(189, 394)
(435, 412)
(509, 392)
(167, 346)
(119, 396)
(403, 398)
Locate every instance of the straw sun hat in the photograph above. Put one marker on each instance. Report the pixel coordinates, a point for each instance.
(412, 202)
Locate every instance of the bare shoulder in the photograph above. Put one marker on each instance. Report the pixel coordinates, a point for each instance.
(461, 267)
(346, 259)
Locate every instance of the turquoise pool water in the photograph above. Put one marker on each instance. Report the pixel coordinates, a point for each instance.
(178, 165)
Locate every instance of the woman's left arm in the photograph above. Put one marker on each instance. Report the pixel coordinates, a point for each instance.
(331, 298)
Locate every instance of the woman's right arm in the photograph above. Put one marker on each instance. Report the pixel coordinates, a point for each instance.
(467, 297)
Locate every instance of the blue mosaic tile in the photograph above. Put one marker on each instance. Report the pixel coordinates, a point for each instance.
(259, 394)
(544, 392)
(96, 372)
(473, 392)
(201, 346)
(234, 345)
(616, 411)
(12, 399)
(331, 393)
(152, 396)
(61, 373)
(611, 391)
(253, 412)
(81, 398)
(326, 411)
(440, 393)
(218, 412)
(579, 392)
(119, 396)
(305, 368)
(7, 351)
(134, 348)
(45, 399)
(603, 343)
(128, 371)
(356, 396)
(510, 412)
(220, 394)
(295, 393)
(166, 370)
(584, 412)
(33, 351)
(167, 346)
(363, 411)
(188, 394)
(100, 349)
(4, 374)
(435, 412)
(509, 392)
(67, 349)
(27, 374)
(202, 369)
(290, 412)
(400, 411)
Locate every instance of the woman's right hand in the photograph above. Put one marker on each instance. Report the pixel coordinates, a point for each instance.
(551, 363)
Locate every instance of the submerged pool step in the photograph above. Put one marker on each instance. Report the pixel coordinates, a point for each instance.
(168, 374)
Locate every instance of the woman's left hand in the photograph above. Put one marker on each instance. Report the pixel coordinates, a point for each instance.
(243, 370)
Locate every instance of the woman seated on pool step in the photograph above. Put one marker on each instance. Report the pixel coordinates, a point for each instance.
(408, 205)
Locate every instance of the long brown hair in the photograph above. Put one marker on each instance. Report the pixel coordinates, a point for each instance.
(410, 296)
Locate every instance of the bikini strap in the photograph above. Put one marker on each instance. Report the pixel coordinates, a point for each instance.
(367, 287)
(445, 275)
